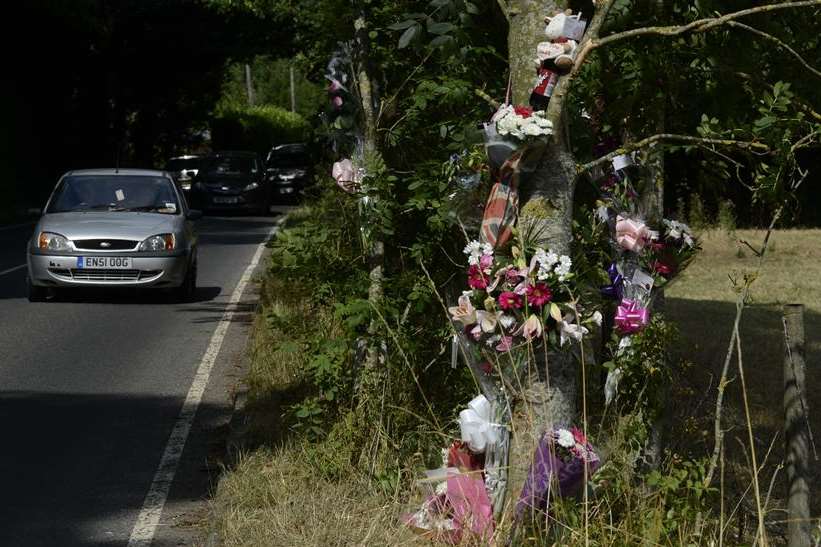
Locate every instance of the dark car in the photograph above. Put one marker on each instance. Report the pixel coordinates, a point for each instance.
(232, 181)
(184, 169)
(289, 170)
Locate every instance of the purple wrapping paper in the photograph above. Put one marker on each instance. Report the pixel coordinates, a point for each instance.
(615, 288)
(569, 476)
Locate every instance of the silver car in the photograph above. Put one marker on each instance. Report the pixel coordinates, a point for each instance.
(114, 228)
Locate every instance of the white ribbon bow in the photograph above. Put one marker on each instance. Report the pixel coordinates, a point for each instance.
(477, 430)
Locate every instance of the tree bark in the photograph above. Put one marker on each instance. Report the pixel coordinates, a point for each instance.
(548, 391)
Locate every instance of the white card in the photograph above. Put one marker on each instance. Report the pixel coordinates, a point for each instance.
(120, 195)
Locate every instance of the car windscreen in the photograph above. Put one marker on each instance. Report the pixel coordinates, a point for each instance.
(287, 159)
(114, 193)
(230, 165)
(178, 164)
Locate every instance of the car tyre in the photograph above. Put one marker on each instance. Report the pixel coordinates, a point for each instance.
(35, 293)
(186, 291)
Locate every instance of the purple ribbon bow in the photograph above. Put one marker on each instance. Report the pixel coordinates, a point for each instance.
(631, 316)
(615, 288)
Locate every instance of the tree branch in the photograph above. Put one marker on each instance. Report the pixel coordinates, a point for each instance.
(700, 25)
(488, 99)
(669, 137)
(776, 41)
(504, 9)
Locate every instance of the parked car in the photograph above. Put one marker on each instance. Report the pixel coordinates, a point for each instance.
(232, 181)
(114, 228)
(184, 169)
(289, 170)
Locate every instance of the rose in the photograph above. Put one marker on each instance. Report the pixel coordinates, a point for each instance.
(523, 111)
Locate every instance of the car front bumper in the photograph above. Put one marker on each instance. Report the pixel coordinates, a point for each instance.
(146, 271)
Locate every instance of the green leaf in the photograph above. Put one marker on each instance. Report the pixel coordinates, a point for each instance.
(440, 28)
(471, 8)
(441, 41)
(402, 25)
(407, 36)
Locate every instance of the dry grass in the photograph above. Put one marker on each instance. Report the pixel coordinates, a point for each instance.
(275, 497)
(702, 303)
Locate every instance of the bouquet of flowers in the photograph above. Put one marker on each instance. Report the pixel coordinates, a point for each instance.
(561, 456)
(522, 123)
(513, 302)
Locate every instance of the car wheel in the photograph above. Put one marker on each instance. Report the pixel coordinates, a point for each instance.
(35, 293)
(186, 291)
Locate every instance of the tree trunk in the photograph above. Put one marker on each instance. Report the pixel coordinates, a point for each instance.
(549, 390)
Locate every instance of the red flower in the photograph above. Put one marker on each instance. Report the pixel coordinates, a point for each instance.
(538, 295)
(523, 111)
(663, 268)
(509, 300)
(486, 367)
(578, 436)
(476, 279)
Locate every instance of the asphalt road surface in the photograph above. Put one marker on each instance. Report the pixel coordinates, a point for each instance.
(92, 384)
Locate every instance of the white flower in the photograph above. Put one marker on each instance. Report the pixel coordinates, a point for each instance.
(533, 130)
(603, 214)
(507, 321)
(596, 317)
(570, 331)
(544, 122)
(565, 438)
(475, 250)
(562, 269)
(441, 488)
(624, 345)
(492, 341)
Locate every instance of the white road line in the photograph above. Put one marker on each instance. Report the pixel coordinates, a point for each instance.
(20, 267)
(146, 526)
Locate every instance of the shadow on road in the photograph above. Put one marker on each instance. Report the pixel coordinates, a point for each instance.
(77, 466)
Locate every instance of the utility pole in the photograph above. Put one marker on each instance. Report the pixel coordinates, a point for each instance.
(293, 96)
(249, 85)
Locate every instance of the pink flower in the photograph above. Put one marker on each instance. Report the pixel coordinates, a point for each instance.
(505, 344)
(662, 268)
(631, 234)
(512, 275)
(476, 279)
(538, 295)
(486, 262)
(578, 435)
(464, 313)
(509, 300)
(337, 102)
(532, 328)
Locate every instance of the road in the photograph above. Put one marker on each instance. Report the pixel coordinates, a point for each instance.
(92, 384)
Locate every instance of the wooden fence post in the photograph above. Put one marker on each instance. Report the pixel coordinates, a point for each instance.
(796, 428)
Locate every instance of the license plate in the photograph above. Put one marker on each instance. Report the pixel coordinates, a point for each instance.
(226, 200)
(104, 262)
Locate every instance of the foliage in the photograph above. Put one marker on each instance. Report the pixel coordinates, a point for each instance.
(256, 128)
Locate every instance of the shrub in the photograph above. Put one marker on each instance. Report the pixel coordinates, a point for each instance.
(257, 128)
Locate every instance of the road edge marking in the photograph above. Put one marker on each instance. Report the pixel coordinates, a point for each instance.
(14, 269)
(142, 534)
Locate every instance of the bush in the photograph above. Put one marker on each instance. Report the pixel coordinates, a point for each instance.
(257, 128)
(726, 216)
(698, 216)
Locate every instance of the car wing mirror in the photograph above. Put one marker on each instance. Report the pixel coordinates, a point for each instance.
(194, 214)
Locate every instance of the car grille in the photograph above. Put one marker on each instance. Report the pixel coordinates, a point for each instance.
(105, 275)
(113, 244)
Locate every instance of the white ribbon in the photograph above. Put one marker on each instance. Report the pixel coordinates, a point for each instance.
(477, 430)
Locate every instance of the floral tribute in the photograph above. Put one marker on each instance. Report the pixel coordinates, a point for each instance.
(648, 254)
(514, 302)
(561, 458)
(522, 123)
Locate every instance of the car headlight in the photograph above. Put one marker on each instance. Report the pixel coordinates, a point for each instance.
(49, 241)
(159, 242)
(252, 186)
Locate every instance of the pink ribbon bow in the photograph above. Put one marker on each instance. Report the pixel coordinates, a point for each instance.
(631, 316)
(631, 234)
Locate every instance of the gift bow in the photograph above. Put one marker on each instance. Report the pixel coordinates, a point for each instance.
(631, 234)
(477, 430)
(631, 316)
(615, 288)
